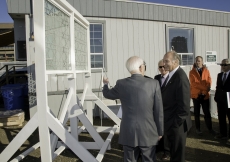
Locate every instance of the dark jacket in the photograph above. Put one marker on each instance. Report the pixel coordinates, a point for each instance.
(221, 95)
(176, 101)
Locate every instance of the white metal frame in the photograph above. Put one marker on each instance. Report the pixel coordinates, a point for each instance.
(44, 120)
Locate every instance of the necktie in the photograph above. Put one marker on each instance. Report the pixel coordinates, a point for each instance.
(200, 71)
(225, 77)
(165, 82)
(162, 80)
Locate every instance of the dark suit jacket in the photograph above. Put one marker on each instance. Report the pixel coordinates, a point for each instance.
(221, 95)
(158, 77)
(176, 102)
(142, 110)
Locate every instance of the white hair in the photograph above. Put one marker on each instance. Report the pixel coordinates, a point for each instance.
(133, 64)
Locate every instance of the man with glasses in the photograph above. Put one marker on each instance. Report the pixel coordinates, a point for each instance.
(142, 111)
(162, 78)
(222, 87)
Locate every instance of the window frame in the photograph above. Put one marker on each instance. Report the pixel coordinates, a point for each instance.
(174, 26)
(103, 45)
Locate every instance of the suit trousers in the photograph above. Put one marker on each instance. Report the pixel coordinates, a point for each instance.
(176, 137)
(131, 154)
(206, 110)
(223, 111)
(163, 146)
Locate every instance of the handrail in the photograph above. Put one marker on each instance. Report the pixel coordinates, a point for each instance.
(12, 65)
(7, 75)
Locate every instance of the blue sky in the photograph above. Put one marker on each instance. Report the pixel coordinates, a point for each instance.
(221, 5)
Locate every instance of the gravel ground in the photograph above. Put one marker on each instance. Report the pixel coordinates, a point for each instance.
(198, 148)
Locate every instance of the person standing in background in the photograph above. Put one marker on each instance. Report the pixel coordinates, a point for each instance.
(222, 87)
(162, 78)
(176, 105)
(200, 84)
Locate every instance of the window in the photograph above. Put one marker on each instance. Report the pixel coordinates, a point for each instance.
(96, 46)
(21, 46)
(182, 41)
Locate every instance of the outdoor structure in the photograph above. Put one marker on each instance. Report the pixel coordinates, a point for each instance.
(61, 46)
(116, 30)
(120, 29)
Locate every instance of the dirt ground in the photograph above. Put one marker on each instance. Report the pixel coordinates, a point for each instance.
(198, 148)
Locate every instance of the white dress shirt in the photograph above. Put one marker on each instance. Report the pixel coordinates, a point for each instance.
(171, 73)
(163, 78)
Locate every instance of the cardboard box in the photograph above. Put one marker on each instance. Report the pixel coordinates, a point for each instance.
(11, 118)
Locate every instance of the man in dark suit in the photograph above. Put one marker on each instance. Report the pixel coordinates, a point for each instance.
(223, 86)
(163, 73)
(176, 103)
(142, 111)
(162, 78)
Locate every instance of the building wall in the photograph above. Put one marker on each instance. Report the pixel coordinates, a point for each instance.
(133, 28)
(134, 10)
(19, 33)
(150, 11)
(147, 39)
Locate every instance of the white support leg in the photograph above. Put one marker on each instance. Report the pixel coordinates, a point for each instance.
(85, 121)
(20, 138)
(73, 101)
(108, 111)
(89, 110)
(41, 79)
(69, 140)
(106, 144)
(62, 117)
(25, 153)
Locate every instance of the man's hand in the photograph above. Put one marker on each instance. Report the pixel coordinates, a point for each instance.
(159, 138)
(105, 80)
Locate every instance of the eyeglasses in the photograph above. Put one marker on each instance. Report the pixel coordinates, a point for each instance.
(224, 64)
(161, 67)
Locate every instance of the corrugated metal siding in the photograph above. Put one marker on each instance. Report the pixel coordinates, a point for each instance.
(136, 10)
(211, 39)
(125, 38)
(144, 11)
(128, 37)
(16, 6)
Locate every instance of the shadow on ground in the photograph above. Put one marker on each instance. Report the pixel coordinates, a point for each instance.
(198, 148)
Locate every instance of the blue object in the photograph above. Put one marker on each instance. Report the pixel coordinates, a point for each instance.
(13, 96)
